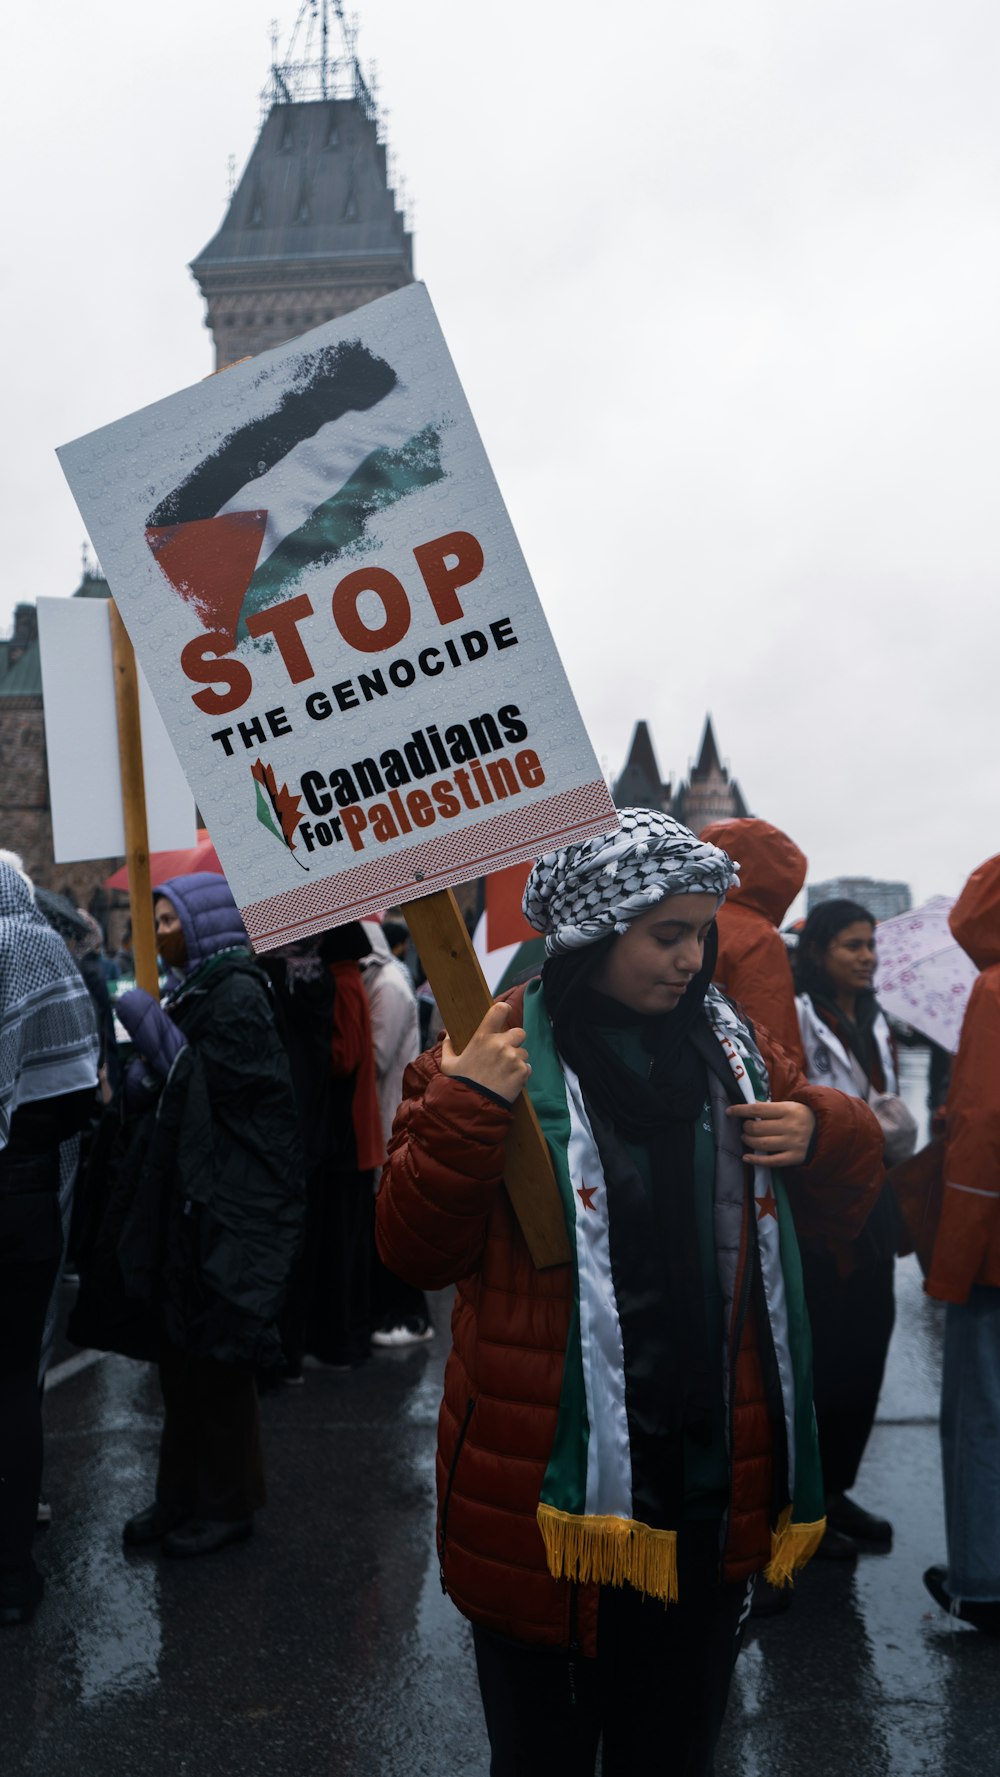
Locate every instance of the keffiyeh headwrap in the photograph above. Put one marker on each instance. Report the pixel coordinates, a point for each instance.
(588, 891)
(48, 1033)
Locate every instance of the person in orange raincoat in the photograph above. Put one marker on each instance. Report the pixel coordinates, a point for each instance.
(753, 966)
(965, 1273)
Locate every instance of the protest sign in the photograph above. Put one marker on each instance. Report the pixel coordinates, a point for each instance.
(323, 585)
(81, 741)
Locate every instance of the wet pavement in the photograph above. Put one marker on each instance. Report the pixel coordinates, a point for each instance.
(324, 1647)
(864, 1673)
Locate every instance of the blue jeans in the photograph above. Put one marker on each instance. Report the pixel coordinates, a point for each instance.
(970, 1445)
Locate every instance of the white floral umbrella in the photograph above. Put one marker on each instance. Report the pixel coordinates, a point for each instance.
(923, 976)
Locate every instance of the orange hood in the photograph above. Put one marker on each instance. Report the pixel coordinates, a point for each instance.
(975, 917)
(772, 868)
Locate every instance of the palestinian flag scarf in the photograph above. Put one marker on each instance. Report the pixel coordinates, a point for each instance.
(587, 1511)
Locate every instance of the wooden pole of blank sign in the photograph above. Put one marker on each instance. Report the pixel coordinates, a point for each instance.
(140, 886)
(463, 998)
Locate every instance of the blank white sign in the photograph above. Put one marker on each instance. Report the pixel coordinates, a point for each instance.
(81, 741)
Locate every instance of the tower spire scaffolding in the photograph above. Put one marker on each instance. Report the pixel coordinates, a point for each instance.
(313, 228)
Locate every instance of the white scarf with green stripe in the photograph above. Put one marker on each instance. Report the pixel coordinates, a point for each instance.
(586, 1512)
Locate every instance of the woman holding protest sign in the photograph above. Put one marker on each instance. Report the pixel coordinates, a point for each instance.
(627, 1440)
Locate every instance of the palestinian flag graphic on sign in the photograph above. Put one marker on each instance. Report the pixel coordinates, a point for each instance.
(290, 490)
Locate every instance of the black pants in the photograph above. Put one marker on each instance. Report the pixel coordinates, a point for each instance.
(656, 1692)
(30, 1251)
(338, 1320)
(211, 1464)
(394, 1301)
(852, 1319)
(308, 1267)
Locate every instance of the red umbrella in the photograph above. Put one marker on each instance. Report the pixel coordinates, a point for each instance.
(165, 864)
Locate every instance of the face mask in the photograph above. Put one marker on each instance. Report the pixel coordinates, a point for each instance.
(172, 948)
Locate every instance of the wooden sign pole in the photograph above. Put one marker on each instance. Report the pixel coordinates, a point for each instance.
(140, 886)
(459, 987)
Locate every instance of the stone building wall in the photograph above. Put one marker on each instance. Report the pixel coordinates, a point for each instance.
(25, 817)
(251, 312)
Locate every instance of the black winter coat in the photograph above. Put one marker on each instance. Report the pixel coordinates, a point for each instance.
(195, 1204)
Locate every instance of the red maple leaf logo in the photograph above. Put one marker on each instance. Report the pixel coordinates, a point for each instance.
(283, 807)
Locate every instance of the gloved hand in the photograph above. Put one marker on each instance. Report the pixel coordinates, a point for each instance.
(152, 1032)
(141, 1087)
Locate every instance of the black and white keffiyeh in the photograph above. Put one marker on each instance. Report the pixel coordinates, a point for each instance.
(585, 892)
(48, 1032)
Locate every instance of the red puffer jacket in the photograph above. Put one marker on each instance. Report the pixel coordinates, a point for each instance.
(752, 965)
(443, 1217)
(967, 1244)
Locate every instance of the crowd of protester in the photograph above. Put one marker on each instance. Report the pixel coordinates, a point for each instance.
(268, 1167)
(207, 1162)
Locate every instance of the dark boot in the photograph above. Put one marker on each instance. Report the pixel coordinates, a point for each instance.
(852, 1520)
(151, 1526)
(202, 1536)
(984, 1616)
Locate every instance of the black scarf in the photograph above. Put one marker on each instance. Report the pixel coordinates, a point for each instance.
(657, 1274)
(882, 1233)
(857, 1033)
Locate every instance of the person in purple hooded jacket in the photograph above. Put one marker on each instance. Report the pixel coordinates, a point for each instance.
(215, 1214)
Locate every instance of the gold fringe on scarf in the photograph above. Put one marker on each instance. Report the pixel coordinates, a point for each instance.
(792, 1545)
(610, 1552)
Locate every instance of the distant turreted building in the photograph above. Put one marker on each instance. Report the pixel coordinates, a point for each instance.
(708, 793)
(638, 784)
(883, 900)
(313, 229)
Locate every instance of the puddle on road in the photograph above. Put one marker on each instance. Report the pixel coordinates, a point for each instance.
(112, 1603)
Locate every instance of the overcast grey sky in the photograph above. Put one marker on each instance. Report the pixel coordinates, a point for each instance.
(723, 286)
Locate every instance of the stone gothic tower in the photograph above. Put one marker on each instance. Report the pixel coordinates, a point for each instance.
(312, 229)
(639, 784)
(710, 794)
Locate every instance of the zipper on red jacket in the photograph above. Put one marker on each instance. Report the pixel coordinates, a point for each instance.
(738, 1323)
(774, 1399)
(446, 1502)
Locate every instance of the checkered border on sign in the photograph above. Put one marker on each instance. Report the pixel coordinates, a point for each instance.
(510, 838)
